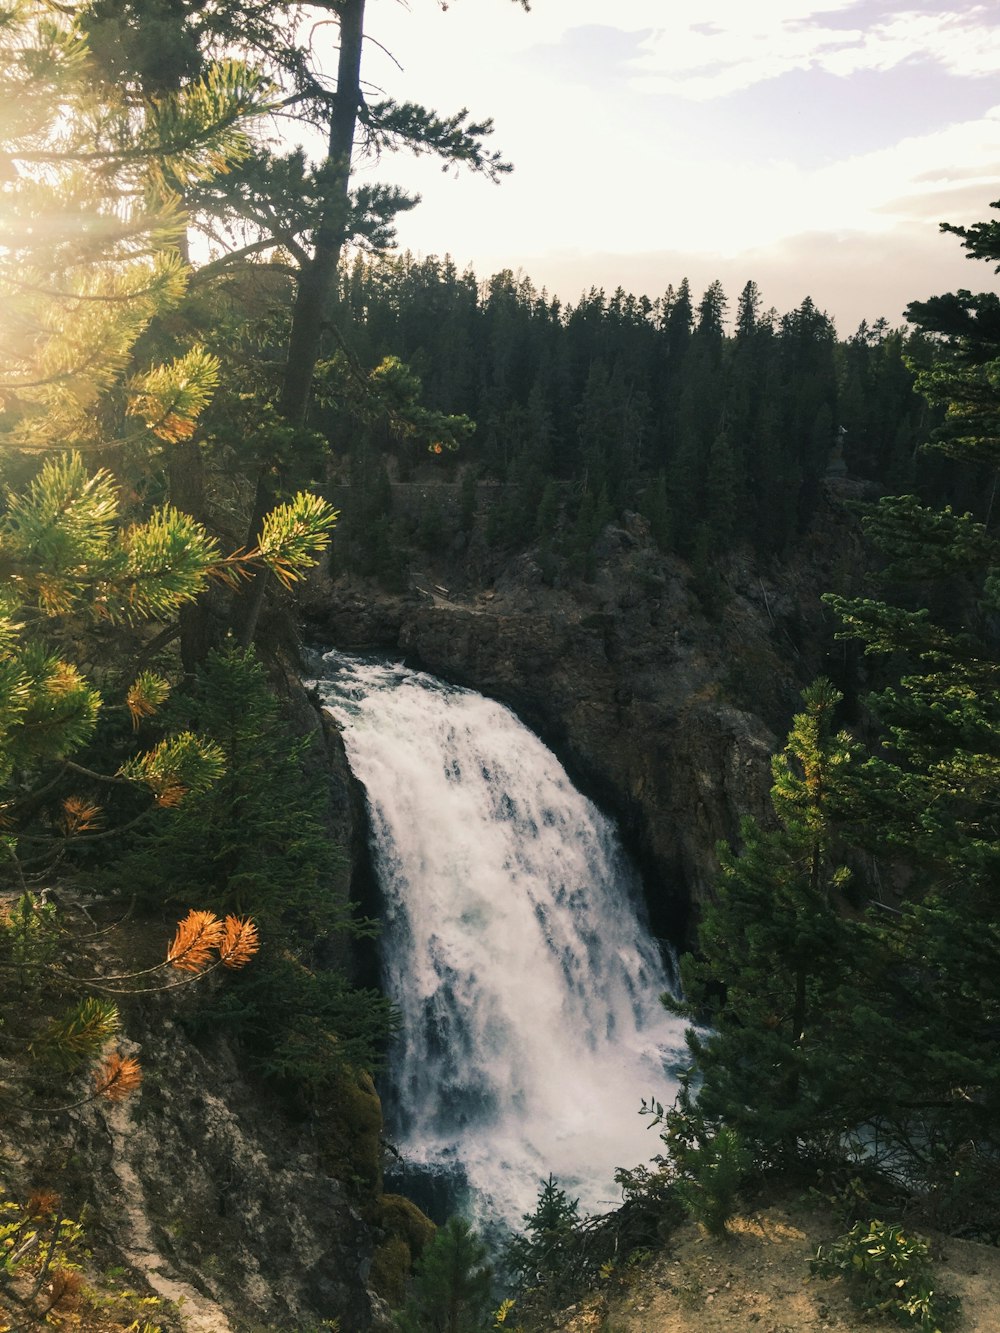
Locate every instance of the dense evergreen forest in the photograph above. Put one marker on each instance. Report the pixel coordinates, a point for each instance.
(718, 426)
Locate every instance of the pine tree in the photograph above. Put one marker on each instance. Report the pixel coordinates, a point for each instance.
(451, 1285)
(748, 312)
(547, 513)
(777, 960)
(711, 315)
(926, 796)
(333, 213)
(655, 508)
(278, 225)
(723, 492)
(87, 263)
(539, 1255)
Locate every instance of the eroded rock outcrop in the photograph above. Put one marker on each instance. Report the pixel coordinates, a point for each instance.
(663, 692)
(664, 698)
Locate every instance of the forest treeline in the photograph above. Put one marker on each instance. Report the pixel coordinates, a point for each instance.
(717, 423)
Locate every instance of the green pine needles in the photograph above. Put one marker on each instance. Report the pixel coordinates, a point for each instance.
(452, 1284)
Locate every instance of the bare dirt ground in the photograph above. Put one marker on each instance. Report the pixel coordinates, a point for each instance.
(758, 1281)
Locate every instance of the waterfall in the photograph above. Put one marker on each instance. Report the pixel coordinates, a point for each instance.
(512, 943)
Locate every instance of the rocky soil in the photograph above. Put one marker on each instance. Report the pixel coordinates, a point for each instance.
(757, 1281)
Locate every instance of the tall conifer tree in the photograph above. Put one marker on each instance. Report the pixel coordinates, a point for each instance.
(87, 261)
(927, 794)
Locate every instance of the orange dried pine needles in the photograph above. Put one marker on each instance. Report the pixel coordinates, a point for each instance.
(239, 942)
(198, 937)
(201, 936)
(116, 1077)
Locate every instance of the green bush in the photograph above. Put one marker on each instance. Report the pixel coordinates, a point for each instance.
(888, 1273)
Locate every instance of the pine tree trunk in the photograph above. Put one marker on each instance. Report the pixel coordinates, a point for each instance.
(315, 280)
(799, 1013)
(186, 483)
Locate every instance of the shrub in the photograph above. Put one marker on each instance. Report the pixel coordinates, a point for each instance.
(888, 1273)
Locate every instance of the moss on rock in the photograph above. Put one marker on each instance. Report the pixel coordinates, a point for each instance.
(354, 1144)
(408, 1231)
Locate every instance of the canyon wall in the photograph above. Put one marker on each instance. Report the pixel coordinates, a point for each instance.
(663, 695)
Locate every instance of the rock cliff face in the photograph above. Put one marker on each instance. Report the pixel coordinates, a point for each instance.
(663, 697)
(208, 1189)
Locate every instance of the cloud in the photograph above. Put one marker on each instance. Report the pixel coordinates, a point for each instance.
(680, 195)
(961, 202)
(898, 180)
(725, 46)
(944, 175)
(595, 54)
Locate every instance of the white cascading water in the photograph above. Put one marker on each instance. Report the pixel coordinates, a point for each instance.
(512, 945)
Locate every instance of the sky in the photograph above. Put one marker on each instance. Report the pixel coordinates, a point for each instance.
(811, 145)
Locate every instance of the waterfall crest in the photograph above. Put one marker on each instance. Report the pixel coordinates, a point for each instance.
(512, 944)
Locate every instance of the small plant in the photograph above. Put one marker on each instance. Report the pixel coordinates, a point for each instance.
(888, 1273)
(121, 1304)
(42, 1280)
(690, 1293)
(501, 1315)
(541, 1253)
(715, 1171)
